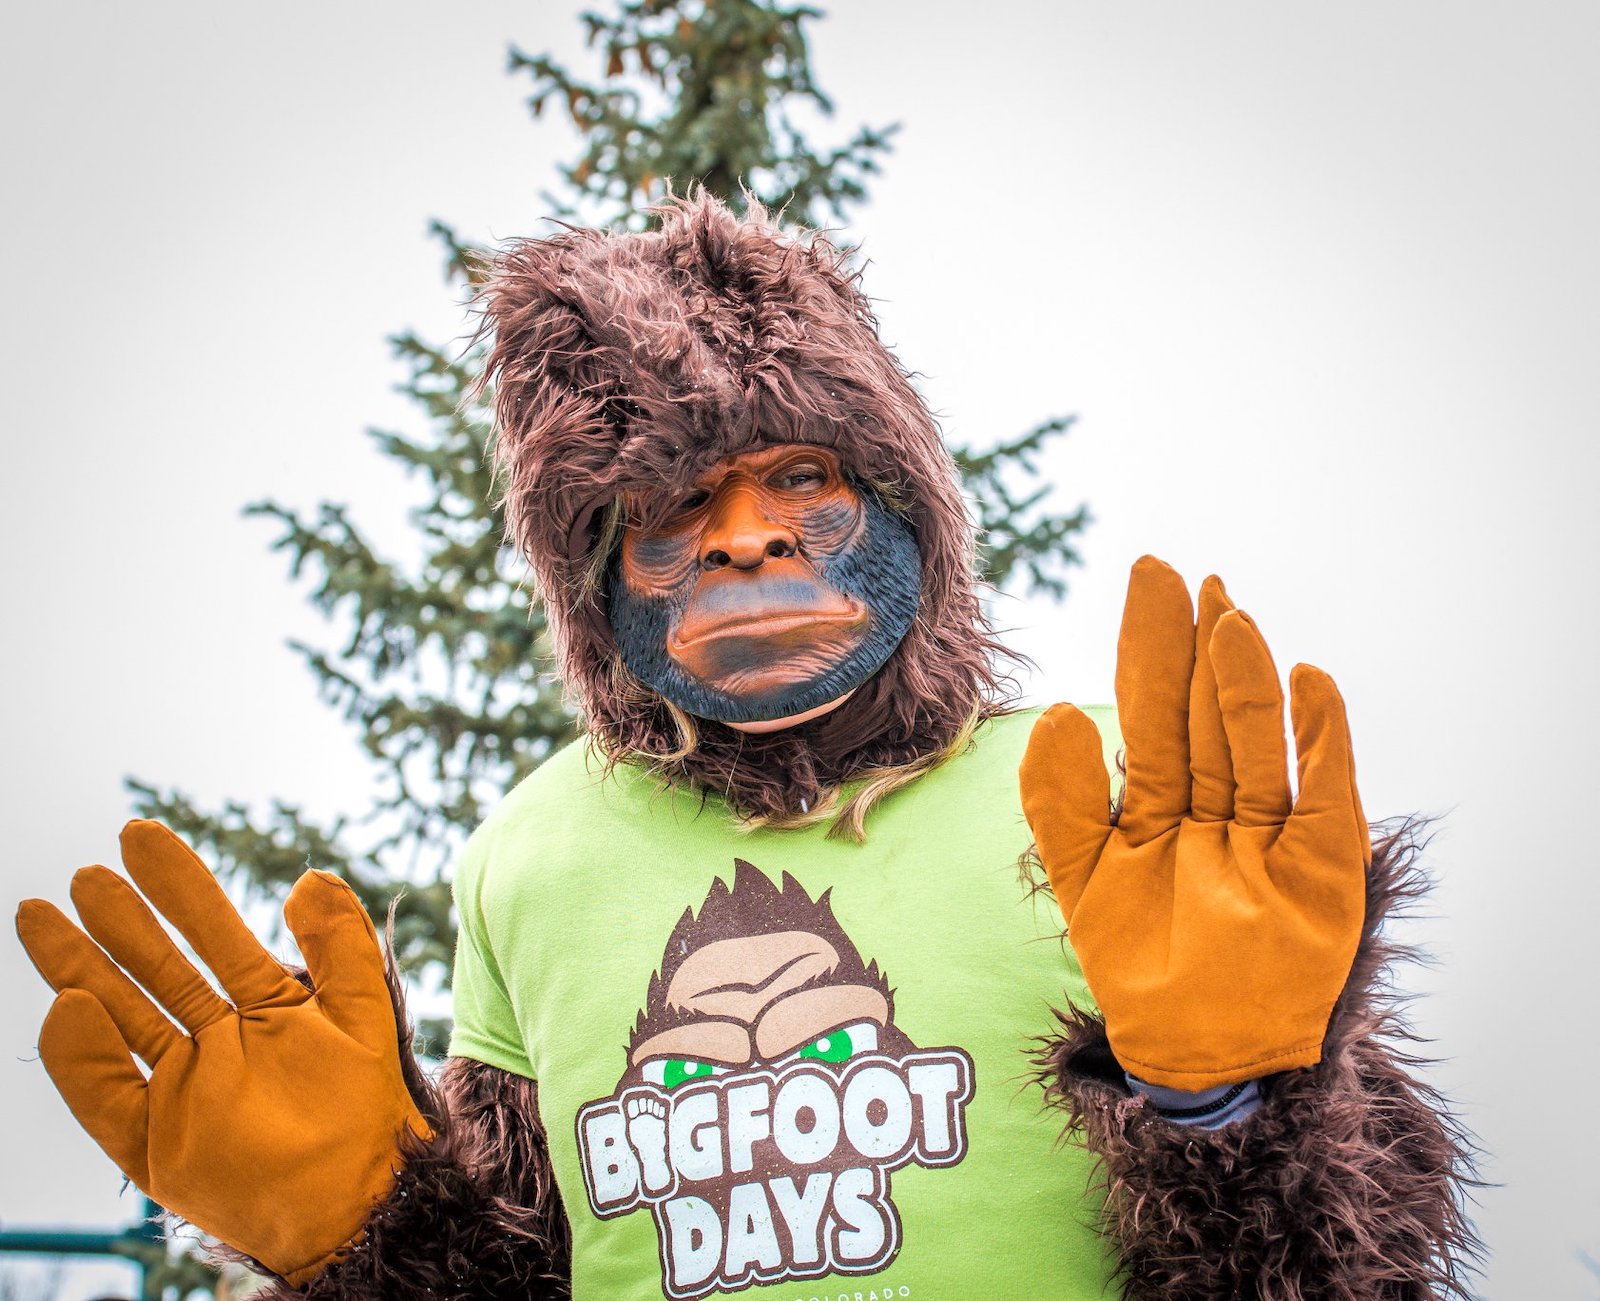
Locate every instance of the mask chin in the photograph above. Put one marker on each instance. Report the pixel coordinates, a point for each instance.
(763, 728)
(883, 570)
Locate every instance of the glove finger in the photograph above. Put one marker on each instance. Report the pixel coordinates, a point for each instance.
(184, 891)
(1252, 714)
(340, 946)
(1328, 809)
(1066, 797)
(1155, 662)
(89, 1063)
(69, 959)
(124, 926)
(1210, 764)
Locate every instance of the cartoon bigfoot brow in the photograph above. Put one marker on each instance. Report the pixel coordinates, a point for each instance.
(749, 947)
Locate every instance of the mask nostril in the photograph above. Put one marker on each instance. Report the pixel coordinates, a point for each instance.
(718, 560)
(779, 549)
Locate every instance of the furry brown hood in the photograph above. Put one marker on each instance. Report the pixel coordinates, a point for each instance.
(628, 362)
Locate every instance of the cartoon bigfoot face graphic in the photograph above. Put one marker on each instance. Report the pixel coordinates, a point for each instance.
(762, 976)
(768, 1095)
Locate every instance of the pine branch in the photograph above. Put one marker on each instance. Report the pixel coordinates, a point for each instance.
(695, 93)
(1015, 537)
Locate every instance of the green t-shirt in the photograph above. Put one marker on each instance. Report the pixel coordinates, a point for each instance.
(774, 1062)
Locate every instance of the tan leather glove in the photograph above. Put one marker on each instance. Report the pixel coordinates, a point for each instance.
(1216, 922)
(274, 1123)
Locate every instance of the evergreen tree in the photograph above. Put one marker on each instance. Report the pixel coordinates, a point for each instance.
(442, 668)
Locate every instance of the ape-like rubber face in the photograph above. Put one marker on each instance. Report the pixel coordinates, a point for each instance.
(769, 589)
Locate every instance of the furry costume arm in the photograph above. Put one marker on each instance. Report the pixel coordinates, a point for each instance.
(1347, 1185)
(475, 1213)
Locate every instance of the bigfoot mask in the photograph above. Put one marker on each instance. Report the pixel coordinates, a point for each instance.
(770, 588)
(628, 369)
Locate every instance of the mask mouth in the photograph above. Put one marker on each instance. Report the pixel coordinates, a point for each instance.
(766, 625)
(759, 657)
(776, 602)
(780, 629)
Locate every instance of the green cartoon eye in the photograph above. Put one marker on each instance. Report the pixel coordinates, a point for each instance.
(842, 1044)
(676, 1070)
(669, 1072)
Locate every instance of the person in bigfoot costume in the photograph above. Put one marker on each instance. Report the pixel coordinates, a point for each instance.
(747, 988)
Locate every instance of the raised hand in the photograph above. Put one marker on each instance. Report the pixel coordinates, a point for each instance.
(272, 1121)
(1216, 919)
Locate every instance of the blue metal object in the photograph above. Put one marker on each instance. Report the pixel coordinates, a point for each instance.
(141, 1245)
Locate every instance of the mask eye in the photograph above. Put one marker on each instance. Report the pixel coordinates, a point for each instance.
(694, 500)
(669, 1072)
(807, 476)
(840, 1045)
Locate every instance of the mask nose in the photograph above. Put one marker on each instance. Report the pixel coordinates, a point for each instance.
(742, 535)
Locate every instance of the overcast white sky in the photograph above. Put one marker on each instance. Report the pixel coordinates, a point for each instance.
(1321, 282)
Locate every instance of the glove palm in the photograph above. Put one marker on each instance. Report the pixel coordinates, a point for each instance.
(274, 1123)
(1216, 920)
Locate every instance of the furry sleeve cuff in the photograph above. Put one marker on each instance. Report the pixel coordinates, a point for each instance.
(473, 1216)
(1347, 1185)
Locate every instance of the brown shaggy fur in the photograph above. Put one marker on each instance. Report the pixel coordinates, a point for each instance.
(625, 363)
(1347, 1185)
